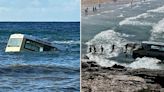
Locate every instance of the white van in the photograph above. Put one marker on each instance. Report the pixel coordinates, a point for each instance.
(22, 42)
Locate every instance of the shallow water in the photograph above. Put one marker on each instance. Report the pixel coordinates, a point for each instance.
(119, 24)
(41, 72)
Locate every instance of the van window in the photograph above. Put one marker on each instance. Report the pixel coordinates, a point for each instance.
(31, 45)
(155, 47)
(14, 42)
(159, 48)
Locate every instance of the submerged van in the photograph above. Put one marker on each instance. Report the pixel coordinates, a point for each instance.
(150, 49)
(22, 42)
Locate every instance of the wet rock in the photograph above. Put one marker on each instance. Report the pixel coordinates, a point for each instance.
(151, 76)
(116, 83)
(117, 78)
(118, 66)
(85, 57)
(84, 65)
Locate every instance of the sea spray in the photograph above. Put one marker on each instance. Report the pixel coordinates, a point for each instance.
(106, 39)
(145, 62)
(157, 30)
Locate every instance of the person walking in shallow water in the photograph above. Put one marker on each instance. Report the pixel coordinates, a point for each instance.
(89, 49)
(86, 11)
(102, 49)
(93, 9)
(113, 47)
(94, 49)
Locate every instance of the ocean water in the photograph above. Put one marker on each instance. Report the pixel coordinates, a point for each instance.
(41, 72)
(120, 24)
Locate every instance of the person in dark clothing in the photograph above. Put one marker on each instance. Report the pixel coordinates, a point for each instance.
(125, 52)
(102, 49)
(94, 49)
(90, 49)
(86, 11)
(113, 47)
(93, 9)
(126, 47)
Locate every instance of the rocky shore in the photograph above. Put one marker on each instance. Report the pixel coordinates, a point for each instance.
(95, 78)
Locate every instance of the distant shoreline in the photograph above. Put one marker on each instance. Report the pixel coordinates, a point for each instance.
(87, 3)
(39, 21)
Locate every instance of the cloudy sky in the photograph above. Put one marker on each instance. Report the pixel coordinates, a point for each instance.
(39, 10)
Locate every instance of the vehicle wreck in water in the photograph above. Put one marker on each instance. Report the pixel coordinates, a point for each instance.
(22, 42)
(149, 49)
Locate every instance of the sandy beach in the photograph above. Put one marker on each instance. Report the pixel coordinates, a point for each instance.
(89, 3)
(92, 7)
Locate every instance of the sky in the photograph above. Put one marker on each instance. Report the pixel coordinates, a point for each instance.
(39, 10)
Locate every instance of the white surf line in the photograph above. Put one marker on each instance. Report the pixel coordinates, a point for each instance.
(97, 14)
(157, 10)
(67, 42)
(132, 20)
(136, 3)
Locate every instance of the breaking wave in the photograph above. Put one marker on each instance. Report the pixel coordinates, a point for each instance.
(157, 10)
(157, 30)
(109, 37)
(66, 42)
(134, 21)
(145, 62)
(106, 39)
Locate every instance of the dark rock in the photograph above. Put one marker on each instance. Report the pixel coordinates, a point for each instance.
(85, 57)
(118, 66)
(156, 76)
(84, 65)
(106, 68)
(117, 78)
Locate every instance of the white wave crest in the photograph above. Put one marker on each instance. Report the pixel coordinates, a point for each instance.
(120, 16)
(157, 30)
(100, 59)
(157, 10)
(133, 20)
(145, 62)
(106, 39)
(67, 42)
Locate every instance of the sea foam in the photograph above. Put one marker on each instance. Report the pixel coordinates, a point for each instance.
(145, 62)
(157, 30)
(133, 20)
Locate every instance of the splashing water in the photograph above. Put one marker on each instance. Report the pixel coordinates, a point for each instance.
(145, 62)
(158, 30)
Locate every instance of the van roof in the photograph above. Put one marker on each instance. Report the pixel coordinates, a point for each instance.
(153, 43)
(30, 37)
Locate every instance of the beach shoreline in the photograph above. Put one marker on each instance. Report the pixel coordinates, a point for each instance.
(90, 4)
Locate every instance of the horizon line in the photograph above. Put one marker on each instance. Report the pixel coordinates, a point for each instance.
(39, 21)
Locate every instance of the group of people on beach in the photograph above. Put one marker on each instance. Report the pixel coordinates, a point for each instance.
(93, 49)
(94, 9)
(129, 47)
